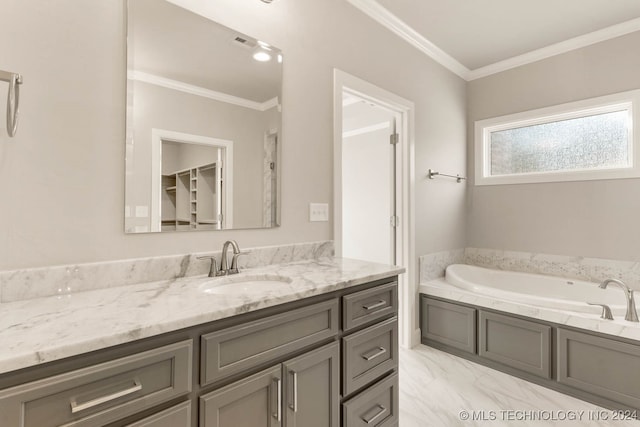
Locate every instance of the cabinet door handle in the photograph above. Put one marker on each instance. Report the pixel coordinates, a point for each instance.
(77, 407)
(278, 412)
(294, 380)
(374, 305)
(380, 411)
(375, 353)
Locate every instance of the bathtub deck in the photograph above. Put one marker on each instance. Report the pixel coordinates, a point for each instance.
(436, 386)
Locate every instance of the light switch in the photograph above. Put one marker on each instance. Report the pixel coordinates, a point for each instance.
(318, 212)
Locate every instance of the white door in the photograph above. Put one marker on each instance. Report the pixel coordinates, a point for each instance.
(368, 181)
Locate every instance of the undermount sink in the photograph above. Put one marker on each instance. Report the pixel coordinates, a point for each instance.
(244, 284)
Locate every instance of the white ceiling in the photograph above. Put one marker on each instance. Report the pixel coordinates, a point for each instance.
(489, 36)
(167, 41)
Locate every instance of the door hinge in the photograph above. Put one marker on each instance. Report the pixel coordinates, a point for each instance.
(394, 220)
(394, 138)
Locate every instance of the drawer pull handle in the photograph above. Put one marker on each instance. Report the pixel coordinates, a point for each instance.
(75, 407)
(381, 411)
(294, 378)
(376, 353)
(278, 413)
(375, 305)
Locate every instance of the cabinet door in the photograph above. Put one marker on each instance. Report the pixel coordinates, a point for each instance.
(312, 391)
(255, 401)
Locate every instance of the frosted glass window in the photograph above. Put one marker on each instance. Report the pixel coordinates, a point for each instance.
(590, 139)
(599, 141)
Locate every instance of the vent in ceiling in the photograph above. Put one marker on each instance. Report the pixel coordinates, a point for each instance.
(245, 42)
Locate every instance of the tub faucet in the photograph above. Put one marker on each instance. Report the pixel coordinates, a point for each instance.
(224, 262)
(632, 314)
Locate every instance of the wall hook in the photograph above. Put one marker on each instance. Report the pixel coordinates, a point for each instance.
(13, 100)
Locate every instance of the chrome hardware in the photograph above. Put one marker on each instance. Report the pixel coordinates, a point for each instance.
(381, 410)
(431, 174)
(632, 314)
(294, 379)
(376, 353)
(13, 99)
(375, 305)
(213, 267)
(224, 261)
(278, 413)
(606, 311)
(75, 407)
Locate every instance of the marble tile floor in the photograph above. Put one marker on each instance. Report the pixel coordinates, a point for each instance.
(435, 387)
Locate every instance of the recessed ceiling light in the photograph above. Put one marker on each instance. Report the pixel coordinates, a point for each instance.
(267, 1)
(261, 56)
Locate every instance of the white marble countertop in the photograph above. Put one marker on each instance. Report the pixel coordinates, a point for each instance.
(592, 322)
(41, 330)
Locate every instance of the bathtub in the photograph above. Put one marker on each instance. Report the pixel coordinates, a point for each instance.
(534, 289)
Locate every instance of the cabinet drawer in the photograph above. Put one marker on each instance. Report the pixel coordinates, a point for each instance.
(376, 406)
(450, 324)
(366, 306)
(516, 343)
(368, 354)
(601, 366)
(99, 394)
(176, 416)
(236, 349)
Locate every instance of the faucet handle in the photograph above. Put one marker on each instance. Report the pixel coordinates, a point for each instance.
(213, 266)
(234, 262)
(606, 311)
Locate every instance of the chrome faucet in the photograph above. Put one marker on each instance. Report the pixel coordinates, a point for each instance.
(224, 266)
(632, 314)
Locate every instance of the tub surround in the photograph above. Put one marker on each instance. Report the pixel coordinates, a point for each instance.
(18, 285)
(433, 265)
(44, 329)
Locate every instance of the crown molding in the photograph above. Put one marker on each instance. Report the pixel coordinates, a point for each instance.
(557, 48)
(381, 15)
(200, 91)
(390, 21)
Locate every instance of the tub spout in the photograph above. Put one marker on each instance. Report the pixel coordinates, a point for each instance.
(632, 314)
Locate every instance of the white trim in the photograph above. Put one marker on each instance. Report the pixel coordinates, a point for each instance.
(365, 129)
(388, 20)
(629, 101)
(557, 49)
(405, 188)
(200, 91)
(159, 135)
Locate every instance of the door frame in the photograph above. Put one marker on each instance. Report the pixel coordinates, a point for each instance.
(160, 135)
(409, 333)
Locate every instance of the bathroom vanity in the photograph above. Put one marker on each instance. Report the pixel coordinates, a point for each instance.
(320, 352)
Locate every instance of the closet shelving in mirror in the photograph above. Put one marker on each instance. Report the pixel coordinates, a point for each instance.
(191, 200)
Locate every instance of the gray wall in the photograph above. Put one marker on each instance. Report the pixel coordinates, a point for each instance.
(592, 218)
(62, 177)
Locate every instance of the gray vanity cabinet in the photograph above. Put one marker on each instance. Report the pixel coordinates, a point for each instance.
(255, 401)
(102, 393)
(176, 416)
(283, 366)
(301, 392)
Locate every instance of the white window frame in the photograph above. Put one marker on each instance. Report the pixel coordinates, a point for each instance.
(629, 101)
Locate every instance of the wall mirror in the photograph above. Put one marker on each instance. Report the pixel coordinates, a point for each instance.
(203, 123)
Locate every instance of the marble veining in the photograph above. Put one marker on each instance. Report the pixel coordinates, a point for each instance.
(49, 328)
(433, 265)
(588, 321)
(17, 285)
(435, 387)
